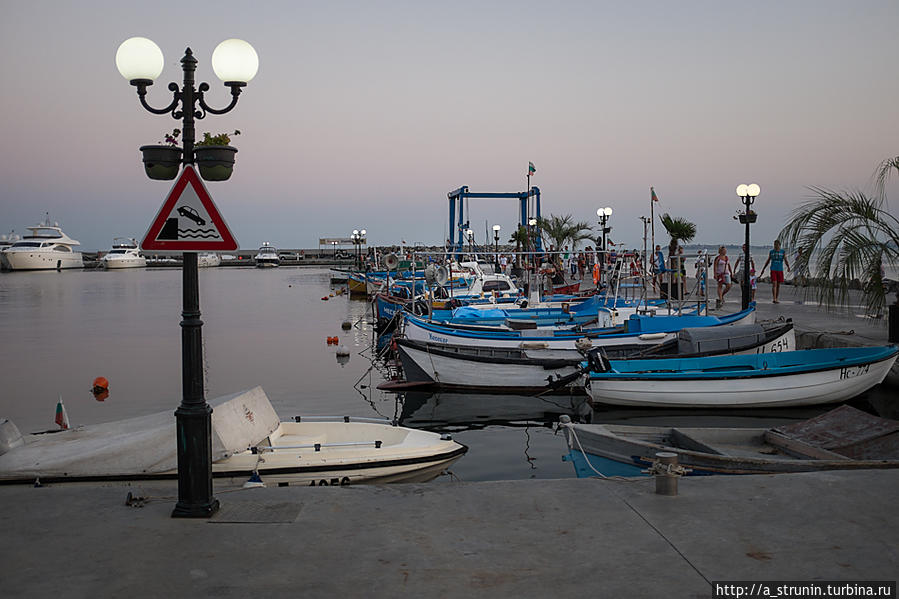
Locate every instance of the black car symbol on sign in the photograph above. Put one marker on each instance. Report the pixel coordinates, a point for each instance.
(188, 212)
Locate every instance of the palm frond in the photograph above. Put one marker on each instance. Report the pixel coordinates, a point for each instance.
(850, 236)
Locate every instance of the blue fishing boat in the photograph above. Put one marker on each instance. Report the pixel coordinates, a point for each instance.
(792, 378)
(638, 329)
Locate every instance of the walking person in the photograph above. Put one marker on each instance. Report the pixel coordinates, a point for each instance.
(658, 267)
(723, 274)
(777, 258)
(738, 272)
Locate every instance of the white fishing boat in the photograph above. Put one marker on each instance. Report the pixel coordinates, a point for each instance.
(45, 248)
(842, 439)
(124, 254)
(267, 256)
(208, 260)
(793, 378)
(515, 370)
(247, 437)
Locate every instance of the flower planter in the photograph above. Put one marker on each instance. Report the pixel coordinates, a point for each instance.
(216, 163)
(161, 162)
(748, 218)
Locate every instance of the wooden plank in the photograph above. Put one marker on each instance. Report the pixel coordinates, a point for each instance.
(800, 448)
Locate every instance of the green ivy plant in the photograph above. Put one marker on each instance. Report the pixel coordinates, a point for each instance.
(222, 139)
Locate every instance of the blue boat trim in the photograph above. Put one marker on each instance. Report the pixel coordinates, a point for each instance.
(747, 365)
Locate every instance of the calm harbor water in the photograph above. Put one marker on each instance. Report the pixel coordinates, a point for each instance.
(264, 327)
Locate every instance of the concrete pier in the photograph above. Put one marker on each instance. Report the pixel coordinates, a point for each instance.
(563, 538)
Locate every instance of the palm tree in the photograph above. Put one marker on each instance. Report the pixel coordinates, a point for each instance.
(520, 237)
(679, 229)
(562, 230)
(852, 236)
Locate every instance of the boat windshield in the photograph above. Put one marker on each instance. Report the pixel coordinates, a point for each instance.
(47, 233)
(27, 244)
(117, 252)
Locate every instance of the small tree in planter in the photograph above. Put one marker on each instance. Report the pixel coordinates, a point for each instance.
(163, 161)
(214, 156)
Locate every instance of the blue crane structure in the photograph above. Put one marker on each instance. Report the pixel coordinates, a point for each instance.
(459, 224)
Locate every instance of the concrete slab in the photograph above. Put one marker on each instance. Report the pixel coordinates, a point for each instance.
(518, 538)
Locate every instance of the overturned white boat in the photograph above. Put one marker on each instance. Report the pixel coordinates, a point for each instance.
(247, 438)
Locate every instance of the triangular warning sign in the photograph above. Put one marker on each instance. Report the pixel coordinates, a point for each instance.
(189, 220)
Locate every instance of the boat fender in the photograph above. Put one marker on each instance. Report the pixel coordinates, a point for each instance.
(346, 325)
(100, 388)
(324, 299)
(649, 336)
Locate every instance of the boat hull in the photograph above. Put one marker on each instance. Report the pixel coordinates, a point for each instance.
(626, 450)
(42, 260)
(761, 387)
(130, 262)
(485, 373)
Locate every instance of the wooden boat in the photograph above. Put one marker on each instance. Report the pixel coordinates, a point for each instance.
(642, 330)
(842, 439)
(516, 370)
(247, 438)
(794, 378)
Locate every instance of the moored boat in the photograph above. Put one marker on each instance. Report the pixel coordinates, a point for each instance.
(793, 378)
(516, 370)
(45, 248)
(643, 330)
(841, 439)
(267, 256)
(124, 254)
(247, 437)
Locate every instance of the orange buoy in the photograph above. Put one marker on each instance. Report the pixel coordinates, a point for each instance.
(100, 388)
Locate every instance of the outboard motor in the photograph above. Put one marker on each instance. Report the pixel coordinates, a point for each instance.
(10, 437)
(598, 361)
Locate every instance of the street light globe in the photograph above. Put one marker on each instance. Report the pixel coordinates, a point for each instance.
(753, 190)
(139, 58)
(532, 222)
(742, 189)
(496, 228)
(355, 232)
(608, 211)
(235, 61)
(362, 232)
(600, 212)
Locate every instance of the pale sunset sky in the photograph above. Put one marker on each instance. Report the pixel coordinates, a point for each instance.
(365, 114)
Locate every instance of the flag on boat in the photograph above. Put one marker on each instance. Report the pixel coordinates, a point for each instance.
(62, 418)
(531, 169)
(655, 198)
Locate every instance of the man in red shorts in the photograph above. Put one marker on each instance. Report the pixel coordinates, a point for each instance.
(777, 258)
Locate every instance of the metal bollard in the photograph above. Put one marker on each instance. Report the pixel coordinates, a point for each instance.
(666, 483)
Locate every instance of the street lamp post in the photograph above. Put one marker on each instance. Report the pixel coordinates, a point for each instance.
(358, 237)
(235, 62)
(496, 229)
(604, 214)
(470, 235)
(747, 194)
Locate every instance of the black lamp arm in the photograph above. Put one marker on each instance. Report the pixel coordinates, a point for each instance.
(141, 85)
(204, 87)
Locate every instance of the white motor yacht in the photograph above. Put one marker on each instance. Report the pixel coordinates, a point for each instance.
(267, 256)
(45, 248)
(124, 254)
(208, 260)
(5, 242)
